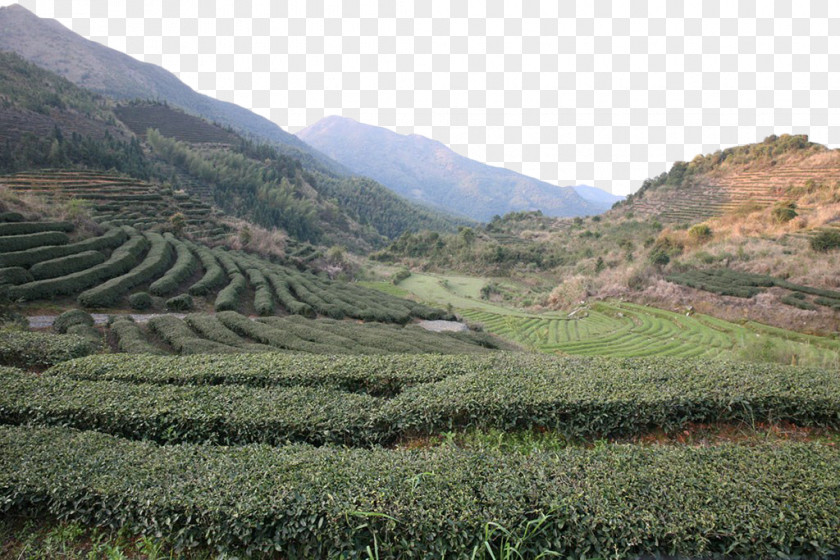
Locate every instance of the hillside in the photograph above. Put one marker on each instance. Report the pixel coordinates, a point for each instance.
(426, 171)
(90, 65)
(737, 179)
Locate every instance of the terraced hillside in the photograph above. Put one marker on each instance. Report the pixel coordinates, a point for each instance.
(118, 200)
(140, 117)
(765, 176)
(625, 329)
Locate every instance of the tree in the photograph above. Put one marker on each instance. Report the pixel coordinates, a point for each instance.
(178, 221)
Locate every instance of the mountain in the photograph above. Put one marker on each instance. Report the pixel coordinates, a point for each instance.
(52, 46)
(427, 171)
(597, 196)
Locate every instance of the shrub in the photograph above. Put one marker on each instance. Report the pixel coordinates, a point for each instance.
(614, 501)
(15, 243)
(140, 301)
(700, 233)
(179, 336)
(89, 333)
(63, 266)
(130, 338)
(228, 298)
(38, 350)
(21, 228)
(11, 217)
(71, 318)
(122, 259)
(15, 275)
(156, 261)
(784, 212)
(111, 239)
(185, 265)
(183, 302)
(263, 298)
(825, 241)
(799, 302)
(400, 275)
(213, 278)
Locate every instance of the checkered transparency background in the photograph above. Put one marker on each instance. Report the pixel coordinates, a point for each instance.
(596, 91)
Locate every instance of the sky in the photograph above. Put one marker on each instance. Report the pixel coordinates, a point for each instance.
(598, 92)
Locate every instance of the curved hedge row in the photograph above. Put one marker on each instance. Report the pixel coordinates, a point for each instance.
(11, 217)
(21, 228)
(264, 334)
(580, 398)
(214, 276)
(185, 265)
(209, 327)
(286, 298)
(36, 349)
(123, 259)
(131, 339)
(109, 240)
(157, 260)
(70, 318)
(178, 335)
(263, 297)
(376, 375)
(615, 501)
(15, 275)
(14, 243)
(63, 266)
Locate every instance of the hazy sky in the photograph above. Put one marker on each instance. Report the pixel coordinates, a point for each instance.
(591, 92)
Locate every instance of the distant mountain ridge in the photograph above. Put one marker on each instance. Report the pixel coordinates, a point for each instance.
(425, 170)
(50, 45)
(597, 196)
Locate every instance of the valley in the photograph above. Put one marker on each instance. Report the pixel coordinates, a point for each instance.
(301, 351)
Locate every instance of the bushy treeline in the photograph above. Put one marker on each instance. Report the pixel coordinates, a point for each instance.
(269, 194)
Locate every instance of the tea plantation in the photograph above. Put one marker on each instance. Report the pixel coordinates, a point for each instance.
(292, 455)
(283, 414)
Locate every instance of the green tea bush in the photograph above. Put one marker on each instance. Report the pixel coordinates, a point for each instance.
(375, 375)
(799, 302)
(155, 263)
(140, 301)
(186, 263)
(14, 243)
(178, 335)
(89, 333)
(616, 501)
(22, 228)
(263, 298)
(15, 275)
(63, 266)
(277, 338)
(38, 350)
(111, 239)
(123, 259)
(130, 338)
(577, 397)
(228, 297)
(214, 276)
(11, 217)
(208, 326)
(287, 299)
(70, 318)
(182, 302)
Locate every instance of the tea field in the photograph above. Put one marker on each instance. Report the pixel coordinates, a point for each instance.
(294, 456)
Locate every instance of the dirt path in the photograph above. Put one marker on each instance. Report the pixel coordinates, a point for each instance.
(45, 321)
